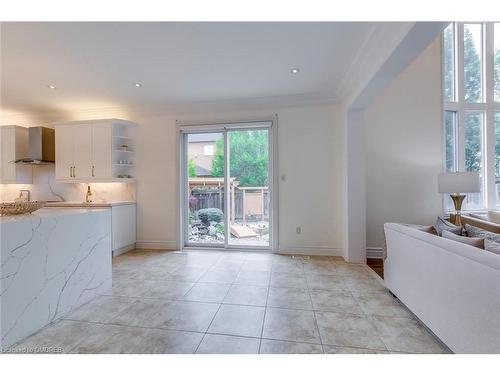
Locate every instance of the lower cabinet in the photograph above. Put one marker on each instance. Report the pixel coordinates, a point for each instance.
(123, 222)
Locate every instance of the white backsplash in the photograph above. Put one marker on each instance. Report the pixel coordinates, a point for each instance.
(44, 188)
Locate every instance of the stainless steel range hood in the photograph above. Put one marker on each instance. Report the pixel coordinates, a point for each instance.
(41, 147)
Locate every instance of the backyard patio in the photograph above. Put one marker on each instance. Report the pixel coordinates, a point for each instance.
(248, 213)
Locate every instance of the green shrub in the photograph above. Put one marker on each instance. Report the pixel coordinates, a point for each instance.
(219, 228)
(208, 215)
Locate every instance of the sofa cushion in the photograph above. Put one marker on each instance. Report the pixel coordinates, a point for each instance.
(473, 241)
(442, 224)
(492, 246)
(473, 231)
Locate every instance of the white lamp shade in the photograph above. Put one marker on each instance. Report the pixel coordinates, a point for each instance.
(459, 182)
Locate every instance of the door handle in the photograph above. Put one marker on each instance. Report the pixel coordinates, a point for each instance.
(93, 171)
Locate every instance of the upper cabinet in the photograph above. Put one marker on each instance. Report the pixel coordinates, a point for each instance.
(14, 145)
(95, 151)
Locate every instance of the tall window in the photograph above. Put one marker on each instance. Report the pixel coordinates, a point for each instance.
(471, 95)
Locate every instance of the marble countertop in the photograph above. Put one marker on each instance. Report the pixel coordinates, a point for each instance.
(87, 205)
(47, 213)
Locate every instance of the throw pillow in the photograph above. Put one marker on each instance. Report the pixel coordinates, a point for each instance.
(442, 224)
(473, 231)
(492, 246)
(476, 242)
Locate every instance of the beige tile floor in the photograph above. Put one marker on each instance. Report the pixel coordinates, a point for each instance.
(235, 302)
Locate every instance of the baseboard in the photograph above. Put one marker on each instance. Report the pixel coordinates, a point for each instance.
(375, 253)
(292, 250)
(311, 250)
(123, 250)
(156, 245)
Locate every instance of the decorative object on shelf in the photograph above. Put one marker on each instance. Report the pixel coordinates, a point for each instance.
(24, 196)
(457, 184)
(124, 176)
(124, 147)
(88, 196)
(19, 208)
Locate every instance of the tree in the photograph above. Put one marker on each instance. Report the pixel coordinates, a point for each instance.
(248, 157)
(472, 69)
(449, 79)
(191, 168)
(472, 94)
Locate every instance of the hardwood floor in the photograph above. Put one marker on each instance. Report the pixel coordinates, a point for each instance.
(377, 265)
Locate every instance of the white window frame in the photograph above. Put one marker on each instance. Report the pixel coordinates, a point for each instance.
(488, 107)
(185, 128)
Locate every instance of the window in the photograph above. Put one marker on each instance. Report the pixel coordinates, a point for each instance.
(208, 150)
(496, 63)
(471, 95)
(472, 58)
(497, 157)
(450, 133)
(474, 130)
(449, 63)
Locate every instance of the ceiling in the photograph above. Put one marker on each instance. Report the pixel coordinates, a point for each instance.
(95, 65)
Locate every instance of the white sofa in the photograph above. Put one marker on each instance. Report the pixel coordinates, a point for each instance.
(453, 288)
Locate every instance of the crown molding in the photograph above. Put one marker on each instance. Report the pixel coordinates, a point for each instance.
(30, 118)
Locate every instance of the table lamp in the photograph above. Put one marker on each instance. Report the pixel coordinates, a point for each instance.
(457, 184)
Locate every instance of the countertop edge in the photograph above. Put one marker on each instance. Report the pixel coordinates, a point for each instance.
(86, 205)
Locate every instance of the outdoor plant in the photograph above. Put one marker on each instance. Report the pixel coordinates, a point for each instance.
(219, 228)
(208, 215)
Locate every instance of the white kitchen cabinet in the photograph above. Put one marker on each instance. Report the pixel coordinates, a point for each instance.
(64, 152)
(91, 151)
(123, 223)
(102, 154)
(82, 148)
(14, 145)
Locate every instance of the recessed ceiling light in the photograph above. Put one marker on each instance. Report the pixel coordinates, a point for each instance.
(295, 70)
(52, 87)
(137, 84)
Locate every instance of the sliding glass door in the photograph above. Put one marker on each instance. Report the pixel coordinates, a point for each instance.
(226, 186)
(205, 189)
(248, 169)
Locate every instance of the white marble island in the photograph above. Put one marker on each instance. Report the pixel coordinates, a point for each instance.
(51, 262)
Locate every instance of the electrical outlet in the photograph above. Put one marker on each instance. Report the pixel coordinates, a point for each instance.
(298, 230)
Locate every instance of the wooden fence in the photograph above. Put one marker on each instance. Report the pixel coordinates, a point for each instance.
(254, 202)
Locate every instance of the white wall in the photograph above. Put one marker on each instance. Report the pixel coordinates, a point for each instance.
(311, 156)
(404, 148)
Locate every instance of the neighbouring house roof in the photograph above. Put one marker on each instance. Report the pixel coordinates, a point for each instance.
(205, 137)
(202, 172)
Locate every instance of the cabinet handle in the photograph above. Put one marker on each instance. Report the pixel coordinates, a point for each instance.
(70, 171)
(74, 171)
(93, 171)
